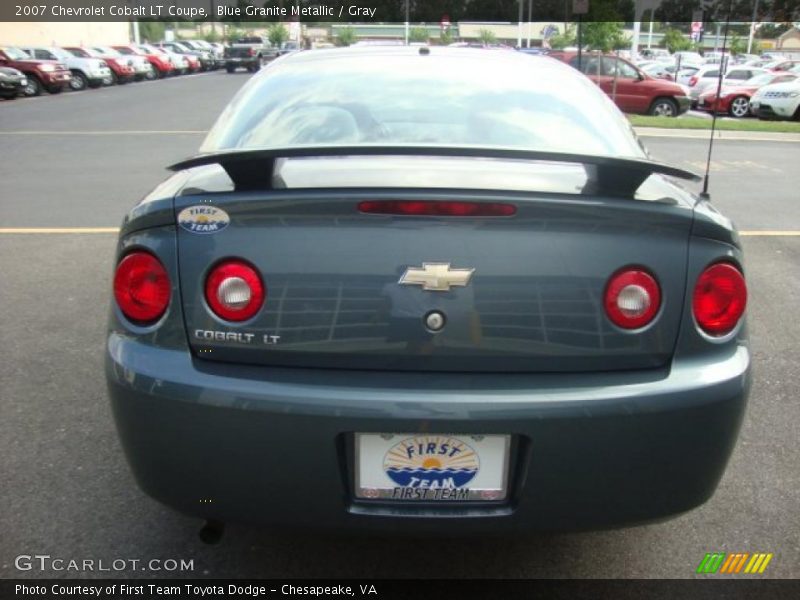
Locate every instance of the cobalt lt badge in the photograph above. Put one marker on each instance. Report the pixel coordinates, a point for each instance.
(431, 462)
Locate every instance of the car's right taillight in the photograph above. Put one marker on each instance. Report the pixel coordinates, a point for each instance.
(141, 287)
(720, 298)
(692, 81)
(234, 290)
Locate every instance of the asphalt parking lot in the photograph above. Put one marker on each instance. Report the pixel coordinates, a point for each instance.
(80, 160)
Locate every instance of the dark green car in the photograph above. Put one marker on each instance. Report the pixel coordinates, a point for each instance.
(432, 288)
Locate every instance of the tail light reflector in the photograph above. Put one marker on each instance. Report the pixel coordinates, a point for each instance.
(141, 287)
(234, 290)
(720, 297)
(436, 208)
(632, 298)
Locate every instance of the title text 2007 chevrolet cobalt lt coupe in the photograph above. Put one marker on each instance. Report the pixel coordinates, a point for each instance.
(443, 289)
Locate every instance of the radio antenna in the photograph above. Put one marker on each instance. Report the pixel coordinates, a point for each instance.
(723, 63)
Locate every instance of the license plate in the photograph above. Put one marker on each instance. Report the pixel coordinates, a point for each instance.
(431, 467)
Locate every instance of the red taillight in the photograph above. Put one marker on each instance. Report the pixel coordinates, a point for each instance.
(141, 287)
(632, 298)
(251, 51)
(720, 297)
(692, 81)
(234, 290)
(438, 209)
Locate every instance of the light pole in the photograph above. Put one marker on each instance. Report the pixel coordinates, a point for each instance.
(530, 18)
(752, 28)
(406, 22)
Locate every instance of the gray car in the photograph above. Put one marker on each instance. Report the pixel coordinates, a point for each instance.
(440, 289)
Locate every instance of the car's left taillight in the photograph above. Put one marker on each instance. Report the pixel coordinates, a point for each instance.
(141, 287)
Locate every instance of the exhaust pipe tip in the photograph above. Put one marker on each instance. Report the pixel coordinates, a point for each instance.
(211, 532)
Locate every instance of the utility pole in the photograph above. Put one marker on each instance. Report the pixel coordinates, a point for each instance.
(530, 18)
(752, 28)
(212, 4)
(407, 23)
(519, 25)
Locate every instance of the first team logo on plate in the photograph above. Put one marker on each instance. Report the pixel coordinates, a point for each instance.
(203, 219)
(431, 461)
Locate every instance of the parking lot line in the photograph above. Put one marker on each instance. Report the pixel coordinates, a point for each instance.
(769, 233)
(120, 132)
(29, 230)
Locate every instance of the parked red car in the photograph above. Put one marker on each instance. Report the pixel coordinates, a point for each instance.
(121, 70)
(634, 91)
(782, 65)
(735, 99)
(40, 74)
(160, 62)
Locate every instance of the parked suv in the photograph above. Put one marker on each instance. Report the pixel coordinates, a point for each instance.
(40, 74)
(121, 70)
(631, 89)
(86, 72)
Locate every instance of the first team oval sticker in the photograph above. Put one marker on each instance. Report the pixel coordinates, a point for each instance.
(203, 219)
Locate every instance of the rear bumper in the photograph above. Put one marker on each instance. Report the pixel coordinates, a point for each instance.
(274, 446)
(242, 62)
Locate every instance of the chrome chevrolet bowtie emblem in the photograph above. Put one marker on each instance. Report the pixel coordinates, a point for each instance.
(436, 277)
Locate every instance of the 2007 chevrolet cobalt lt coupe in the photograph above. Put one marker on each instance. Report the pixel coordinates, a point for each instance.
(443, 289)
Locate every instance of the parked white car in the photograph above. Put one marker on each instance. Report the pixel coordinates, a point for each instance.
(685, 74)
(141, 66)
(777, 101)
(686, 58)
(86, 72)
(707, 77)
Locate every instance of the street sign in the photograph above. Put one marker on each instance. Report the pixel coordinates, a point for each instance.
(580, 7)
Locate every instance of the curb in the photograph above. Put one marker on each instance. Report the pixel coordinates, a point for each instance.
(704, 134)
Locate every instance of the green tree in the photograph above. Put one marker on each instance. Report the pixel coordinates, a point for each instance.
(446, 36)
(346, 36)
(418, 34)
(675, 41)
(152, 31)
(603, 35)
(737, 45)
(211, 36)
(487, 36)
(561, 40)
(277, 34)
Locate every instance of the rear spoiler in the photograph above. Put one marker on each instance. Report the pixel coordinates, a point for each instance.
(253, 169)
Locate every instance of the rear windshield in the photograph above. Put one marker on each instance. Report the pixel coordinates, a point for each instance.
(463, 97)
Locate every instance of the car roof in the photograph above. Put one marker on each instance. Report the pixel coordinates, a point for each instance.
(500, 55)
